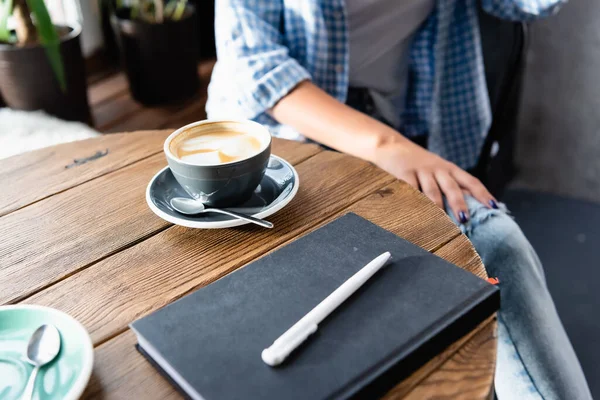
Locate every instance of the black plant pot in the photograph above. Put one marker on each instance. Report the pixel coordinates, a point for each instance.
(111, 49)
(205, 10)
(27, 81)
(160, 60)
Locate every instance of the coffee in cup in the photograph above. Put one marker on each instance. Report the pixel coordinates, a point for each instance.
(219, 162)
(215, 147)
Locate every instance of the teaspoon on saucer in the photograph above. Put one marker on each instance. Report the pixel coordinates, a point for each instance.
(43, 347)
(192, 207)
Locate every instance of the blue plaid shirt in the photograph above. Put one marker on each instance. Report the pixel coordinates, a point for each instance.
(266, 47)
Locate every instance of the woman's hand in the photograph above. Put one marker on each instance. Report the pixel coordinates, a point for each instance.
(433, 175)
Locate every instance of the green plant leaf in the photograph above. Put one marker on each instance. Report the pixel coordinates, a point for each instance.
(6, 7)
(169, 8)
(135, 11)
(48, 37)
(179, 10)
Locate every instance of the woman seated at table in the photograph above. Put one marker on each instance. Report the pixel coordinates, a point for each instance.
(401, 84)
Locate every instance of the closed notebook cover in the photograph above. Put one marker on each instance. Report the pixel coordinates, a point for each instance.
(210, 341)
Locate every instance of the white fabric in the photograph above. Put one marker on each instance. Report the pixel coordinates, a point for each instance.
(381, 33)
(22, 131)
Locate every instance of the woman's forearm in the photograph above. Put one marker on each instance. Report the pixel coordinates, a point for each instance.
(322, 118)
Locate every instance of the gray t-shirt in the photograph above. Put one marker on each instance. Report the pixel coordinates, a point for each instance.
(381, 33)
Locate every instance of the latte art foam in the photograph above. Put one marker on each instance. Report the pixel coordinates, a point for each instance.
(216, 147)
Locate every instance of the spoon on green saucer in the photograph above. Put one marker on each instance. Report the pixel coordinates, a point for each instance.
(42, 348)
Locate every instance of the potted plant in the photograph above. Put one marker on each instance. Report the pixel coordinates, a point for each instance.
(159, 49)
(205, 11)
(41, 64)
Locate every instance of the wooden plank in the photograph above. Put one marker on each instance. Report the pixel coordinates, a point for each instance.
(170, 116)
(410, 386)
(403, 215)
(99, 76)
(399, 201)
(467, 375)
(56, 237)
(145, 118)
(121, 372)
(143, 278)
(33, 176)
(192, 113)
(99, 65)
(87, 223)
(157, 117)
(114, 109)
(109, 113)
(460, 251)
(107, 88)
(406, 212)
(196, 111)
(294, 152)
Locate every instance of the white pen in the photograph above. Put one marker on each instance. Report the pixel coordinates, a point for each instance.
(293, 337)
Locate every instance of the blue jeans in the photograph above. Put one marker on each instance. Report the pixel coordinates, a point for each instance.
(535, 357)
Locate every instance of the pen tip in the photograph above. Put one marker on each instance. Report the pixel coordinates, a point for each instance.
(385, 257)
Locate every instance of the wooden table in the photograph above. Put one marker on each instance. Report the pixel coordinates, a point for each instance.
(76, 234)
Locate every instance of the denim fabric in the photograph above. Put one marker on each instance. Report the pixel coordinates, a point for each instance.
(535, 357)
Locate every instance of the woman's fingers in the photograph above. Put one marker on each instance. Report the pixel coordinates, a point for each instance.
(430, 187)
(411, 178)
(454, 195)
(475, 187)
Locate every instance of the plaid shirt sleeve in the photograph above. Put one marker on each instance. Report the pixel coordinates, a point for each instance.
(522, 10)
(253, 58)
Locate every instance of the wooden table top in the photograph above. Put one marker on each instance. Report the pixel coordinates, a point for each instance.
(76, 234)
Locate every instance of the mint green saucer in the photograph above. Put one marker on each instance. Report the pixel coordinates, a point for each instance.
(66, 377)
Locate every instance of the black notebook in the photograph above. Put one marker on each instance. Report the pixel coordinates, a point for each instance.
(209, 343)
